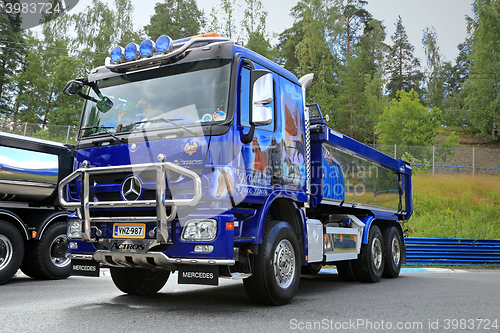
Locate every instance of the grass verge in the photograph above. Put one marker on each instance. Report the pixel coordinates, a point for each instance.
(455, 207)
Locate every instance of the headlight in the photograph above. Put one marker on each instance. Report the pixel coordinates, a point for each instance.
(74, 229)
(202, 230)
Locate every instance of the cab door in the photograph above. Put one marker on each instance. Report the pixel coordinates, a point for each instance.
(261, 168)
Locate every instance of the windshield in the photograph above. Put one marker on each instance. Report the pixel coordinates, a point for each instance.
(175, 96)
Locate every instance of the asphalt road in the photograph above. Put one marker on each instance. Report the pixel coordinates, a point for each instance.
(435, 300)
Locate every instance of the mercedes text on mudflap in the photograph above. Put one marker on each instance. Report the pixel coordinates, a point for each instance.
(200, 156)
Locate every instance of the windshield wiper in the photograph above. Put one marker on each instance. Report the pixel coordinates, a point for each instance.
(165, 120)
(105, 131)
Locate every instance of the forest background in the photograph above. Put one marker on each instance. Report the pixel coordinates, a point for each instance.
(377, 93)
(367, 87)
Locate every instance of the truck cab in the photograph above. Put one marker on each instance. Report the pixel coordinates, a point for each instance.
(196, 156)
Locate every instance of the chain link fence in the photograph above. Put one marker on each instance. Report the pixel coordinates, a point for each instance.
(481, 162)
(59, 133)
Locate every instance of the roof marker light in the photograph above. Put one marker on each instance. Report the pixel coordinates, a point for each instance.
(117, 54)
(147, 48)
(163, 43)
(131, 51)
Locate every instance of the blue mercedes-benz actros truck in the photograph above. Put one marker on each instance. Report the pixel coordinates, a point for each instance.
(200, 156)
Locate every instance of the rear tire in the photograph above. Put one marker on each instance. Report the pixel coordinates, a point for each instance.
(370, 263)
(137, 281)
(46, 259)
(276, 269)
(346, 270)
(392, 252)
(11, 251)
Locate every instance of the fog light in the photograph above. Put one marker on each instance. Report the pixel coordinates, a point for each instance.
(73, 245)
(203, 248)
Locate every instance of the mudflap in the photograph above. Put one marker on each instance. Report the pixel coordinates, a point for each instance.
(81, 267)
(199, 274)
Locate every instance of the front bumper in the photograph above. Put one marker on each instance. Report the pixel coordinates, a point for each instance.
(146, 260)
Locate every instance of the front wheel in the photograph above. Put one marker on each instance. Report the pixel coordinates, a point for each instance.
(392, 252)
(276, 269)
(370, 263)
(138, 281)
(11, 251)
(46, 259)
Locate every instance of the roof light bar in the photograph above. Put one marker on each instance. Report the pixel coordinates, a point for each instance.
(164, 47)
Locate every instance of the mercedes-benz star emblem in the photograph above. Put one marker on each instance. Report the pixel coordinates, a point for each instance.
(131, 188)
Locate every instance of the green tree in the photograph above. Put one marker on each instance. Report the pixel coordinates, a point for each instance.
(322, 27)
(285, 48)
(223, 20)
(407, 122)
(254, 26)
(402, 65)
(434, 96)
(175, 18)
(483, 85)
(12, 55)
(49, 68)
(454, 108)
(98, 29)
(356, 18)
(358, 78)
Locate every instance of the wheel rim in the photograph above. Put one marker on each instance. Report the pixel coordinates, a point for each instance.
(284, 263)
(58, 251)
(377, 253)
(5, 252)
(396, 251)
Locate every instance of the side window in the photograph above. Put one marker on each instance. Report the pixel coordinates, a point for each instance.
(245, 97)
(245, 101)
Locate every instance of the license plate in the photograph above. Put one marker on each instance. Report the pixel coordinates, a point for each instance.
(130, 230)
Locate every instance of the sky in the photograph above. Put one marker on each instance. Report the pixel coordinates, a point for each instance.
(447, 16)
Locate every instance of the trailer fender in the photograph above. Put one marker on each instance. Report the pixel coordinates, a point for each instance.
(16, 221)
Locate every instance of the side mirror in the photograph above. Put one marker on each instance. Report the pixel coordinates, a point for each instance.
(262, 115)
(73, 87)
(262, 94)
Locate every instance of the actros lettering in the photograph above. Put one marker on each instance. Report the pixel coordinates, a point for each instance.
(124, 246)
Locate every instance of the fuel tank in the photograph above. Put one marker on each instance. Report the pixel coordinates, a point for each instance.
(31, 168)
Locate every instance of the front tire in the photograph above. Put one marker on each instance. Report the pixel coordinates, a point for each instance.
(276, 269)
(137, 281)
(11, 251)
(46, 259)
(392, 252)
(370, 263)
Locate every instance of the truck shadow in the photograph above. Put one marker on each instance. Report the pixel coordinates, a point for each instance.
(229, 296)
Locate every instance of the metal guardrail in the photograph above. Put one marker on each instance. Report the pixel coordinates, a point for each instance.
(451, 251)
